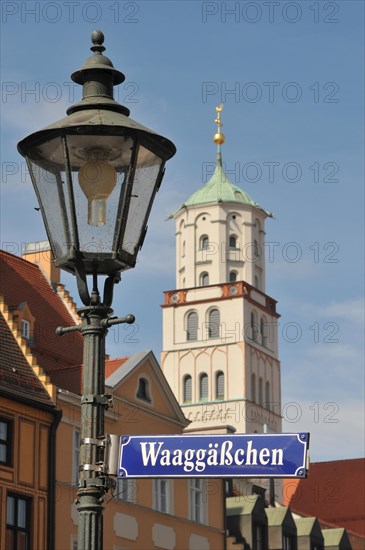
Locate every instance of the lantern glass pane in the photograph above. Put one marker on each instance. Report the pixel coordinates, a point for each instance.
(96, 218)
(98, 167)
(142, 194)
(50, 187)
(80, 186)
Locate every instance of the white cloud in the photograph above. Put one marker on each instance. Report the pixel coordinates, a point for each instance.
(334, 351)
(336, 428)
(350, 310)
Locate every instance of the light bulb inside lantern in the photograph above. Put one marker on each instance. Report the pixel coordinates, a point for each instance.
(97, 180)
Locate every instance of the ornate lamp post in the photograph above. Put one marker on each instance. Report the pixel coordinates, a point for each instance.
(95, 174)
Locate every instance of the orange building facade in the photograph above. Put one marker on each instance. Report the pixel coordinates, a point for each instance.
(28, 421)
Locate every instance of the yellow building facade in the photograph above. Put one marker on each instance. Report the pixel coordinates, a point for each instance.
(139, 514)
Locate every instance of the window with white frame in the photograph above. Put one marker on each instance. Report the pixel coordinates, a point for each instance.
(76, 439)
(162, 495)
(197, 500)
(25, 328)
(126, 490)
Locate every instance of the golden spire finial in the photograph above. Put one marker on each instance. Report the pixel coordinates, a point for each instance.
(219, 137)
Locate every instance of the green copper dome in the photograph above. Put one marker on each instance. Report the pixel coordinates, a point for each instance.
(220, 189)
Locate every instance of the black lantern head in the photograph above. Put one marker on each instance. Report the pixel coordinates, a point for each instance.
(96, 173)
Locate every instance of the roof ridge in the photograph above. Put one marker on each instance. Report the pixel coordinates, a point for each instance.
(5, 252)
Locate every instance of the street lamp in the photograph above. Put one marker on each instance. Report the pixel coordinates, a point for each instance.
(95, 174)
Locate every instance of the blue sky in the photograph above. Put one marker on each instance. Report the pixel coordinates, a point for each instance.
(291, 77)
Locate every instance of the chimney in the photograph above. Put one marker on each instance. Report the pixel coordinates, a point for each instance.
(39, 253)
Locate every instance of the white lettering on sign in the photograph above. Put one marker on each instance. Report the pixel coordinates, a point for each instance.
(216, 454)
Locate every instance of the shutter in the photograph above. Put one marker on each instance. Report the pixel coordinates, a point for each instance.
(220, 385)
(261, 391)
(204, 387)
(267, 395)
(253, 388)
(204, 242)
(192, 328)
(187, 389)
(204, 279)
(214, 322)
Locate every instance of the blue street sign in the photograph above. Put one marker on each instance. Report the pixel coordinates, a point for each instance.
(249, 455)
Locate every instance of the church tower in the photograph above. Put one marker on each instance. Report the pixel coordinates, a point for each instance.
(220, 337)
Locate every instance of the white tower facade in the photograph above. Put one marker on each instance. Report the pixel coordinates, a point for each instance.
(220, 337)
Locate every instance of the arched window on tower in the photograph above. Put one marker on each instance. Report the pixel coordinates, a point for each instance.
(256, 248)
(204, 279)
(183, 249)
(204, 242)
(253, 387)
(187, 389)
(261, 392)
(203, 387)
(254, 326)
(232, 242)
(263, 331)
(267, 396)
(233, 276)
(192, 326)
(219, 385)
(214, 320)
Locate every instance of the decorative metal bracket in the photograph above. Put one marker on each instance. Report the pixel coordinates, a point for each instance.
(109, 288)
(106, 400)
(129, 319)
(111, 445)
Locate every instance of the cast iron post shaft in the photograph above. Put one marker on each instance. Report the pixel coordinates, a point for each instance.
(92, 480)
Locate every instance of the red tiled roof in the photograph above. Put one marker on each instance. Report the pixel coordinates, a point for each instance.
(16, 375)
(111, 365)
(334, 492)
(22, 281)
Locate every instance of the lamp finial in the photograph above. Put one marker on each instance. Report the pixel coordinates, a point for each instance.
(97, 38)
